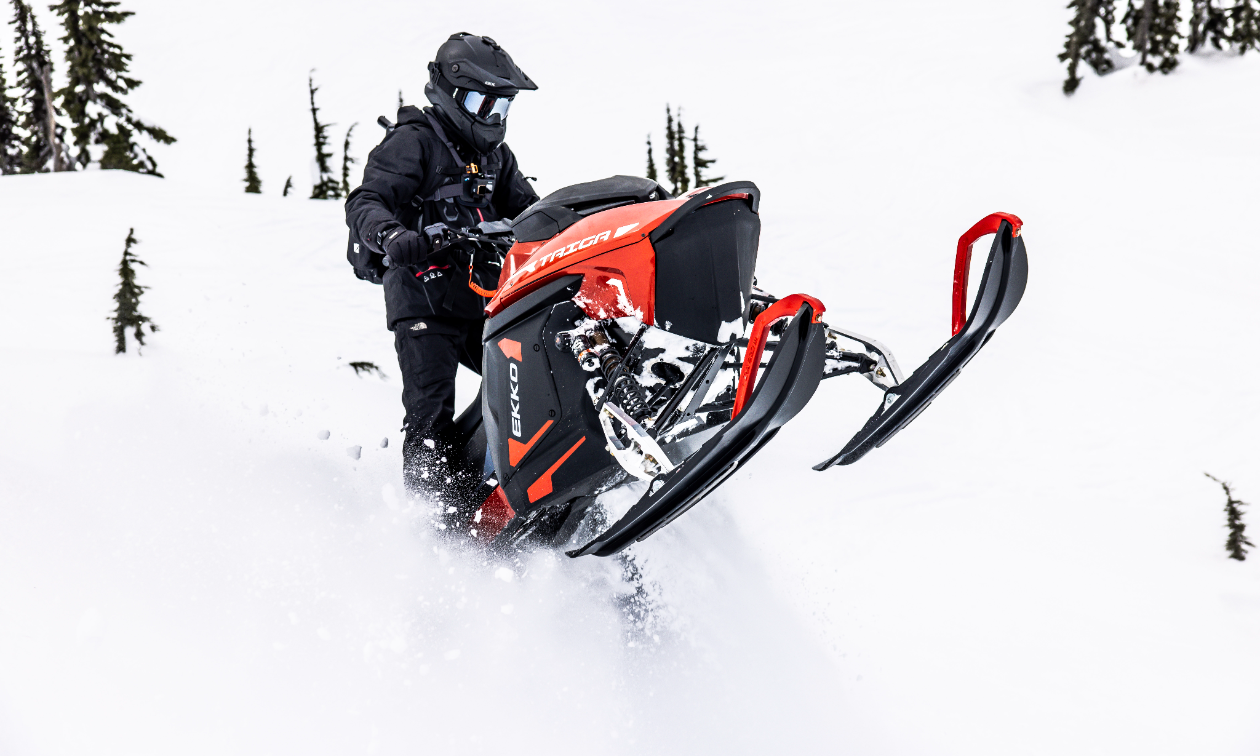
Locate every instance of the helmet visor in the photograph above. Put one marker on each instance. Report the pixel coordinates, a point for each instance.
(484, 105)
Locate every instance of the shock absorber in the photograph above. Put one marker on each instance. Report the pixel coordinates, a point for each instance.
(594, 350)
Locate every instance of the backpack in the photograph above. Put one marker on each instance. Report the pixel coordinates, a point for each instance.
(368, 265)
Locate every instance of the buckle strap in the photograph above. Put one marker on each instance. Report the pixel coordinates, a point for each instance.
(437, 129)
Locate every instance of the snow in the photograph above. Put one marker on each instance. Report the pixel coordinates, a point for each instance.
(1035, 566)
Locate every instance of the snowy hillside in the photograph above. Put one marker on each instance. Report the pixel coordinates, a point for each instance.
(189, 563)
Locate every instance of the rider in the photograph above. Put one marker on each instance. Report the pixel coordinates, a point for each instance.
(439, 172)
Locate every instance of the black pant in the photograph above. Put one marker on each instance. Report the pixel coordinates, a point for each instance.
(430, 351)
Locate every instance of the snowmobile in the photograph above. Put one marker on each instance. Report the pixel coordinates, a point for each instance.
(627, 340)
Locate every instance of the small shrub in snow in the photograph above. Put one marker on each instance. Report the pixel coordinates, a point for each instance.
(127, 300)
(288, 186)
(253, 184)
(1236, 544)
(366, 367)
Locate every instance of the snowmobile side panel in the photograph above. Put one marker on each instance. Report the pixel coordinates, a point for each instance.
(1005, 276)
(704, 272)
(545, 452)
(790, 380)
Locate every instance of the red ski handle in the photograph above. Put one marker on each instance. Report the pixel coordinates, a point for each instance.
(784, 308)
(962, 263)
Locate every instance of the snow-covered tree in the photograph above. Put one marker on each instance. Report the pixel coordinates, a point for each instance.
(253, 184)
(346, 162)
(44, 148)
(1208, 23)
(10, 140)
(1153, 28)
(103, 127)
(288, 187)
(326, 186)
(699, 163)
(651, 160)
(127, 300)
(1088, 39)
(1245, 19)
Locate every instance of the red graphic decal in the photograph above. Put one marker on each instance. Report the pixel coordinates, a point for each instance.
(542, 486)
(511, 348)
(496, 512)
(517, 450)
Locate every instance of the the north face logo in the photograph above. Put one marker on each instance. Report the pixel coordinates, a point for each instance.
(420, 326)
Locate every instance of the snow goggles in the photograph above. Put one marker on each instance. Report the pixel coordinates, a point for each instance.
(483, 105)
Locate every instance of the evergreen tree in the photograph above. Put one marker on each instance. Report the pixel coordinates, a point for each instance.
(326, 187)
(1245, 18)
(253, 184)
(1208, 23)
(45, 145)
(1236, 544)
(683, 182)
(127, 313)
(346, 162)
(95, 82)
(10, 141)
(1153, 30)
(400, 100)
(671, 150)
(651, 161)
(288, 186)
(700, 163)
(1083, 41)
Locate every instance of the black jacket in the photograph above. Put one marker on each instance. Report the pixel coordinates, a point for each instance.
(401, 175)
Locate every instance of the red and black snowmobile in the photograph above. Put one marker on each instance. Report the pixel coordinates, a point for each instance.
(628, 341)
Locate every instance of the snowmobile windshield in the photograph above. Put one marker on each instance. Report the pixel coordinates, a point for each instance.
(485, 105)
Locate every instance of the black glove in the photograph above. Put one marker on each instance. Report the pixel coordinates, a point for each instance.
(404, 247)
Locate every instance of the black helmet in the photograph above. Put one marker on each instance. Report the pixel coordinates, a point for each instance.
(471, 83)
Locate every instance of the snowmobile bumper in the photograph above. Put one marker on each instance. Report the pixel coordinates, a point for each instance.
(789, 382)
(1005, 276)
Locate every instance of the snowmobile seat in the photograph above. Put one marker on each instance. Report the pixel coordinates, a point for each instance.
(551, 215)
